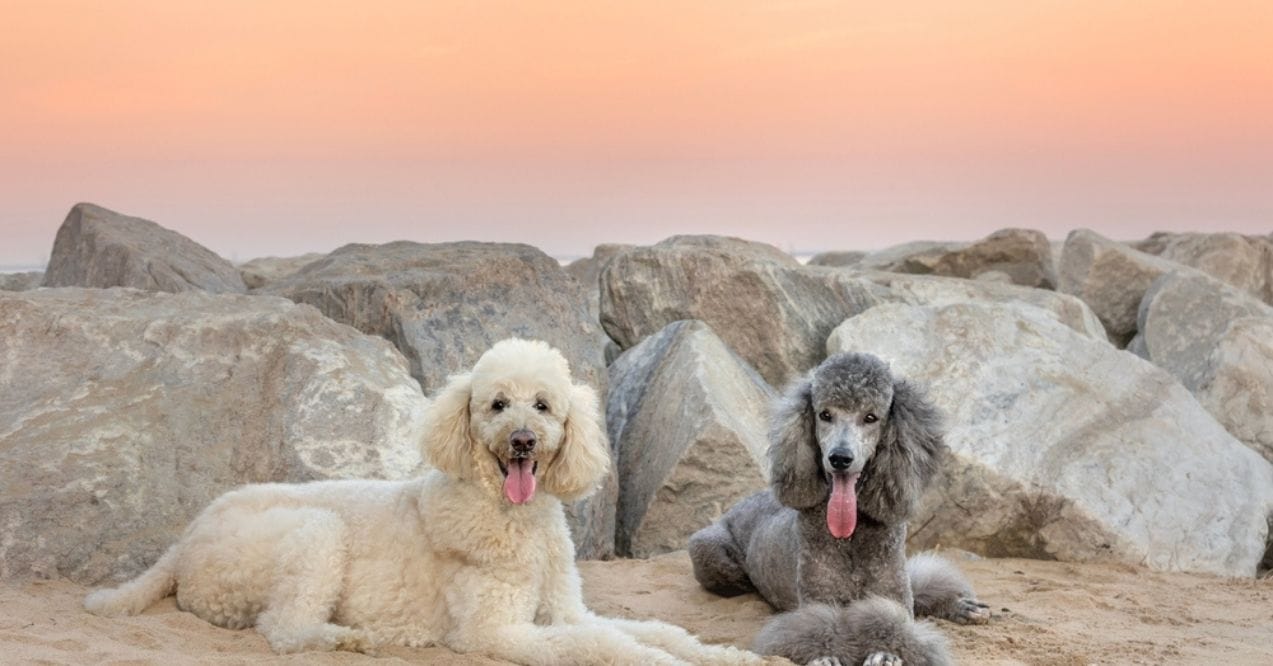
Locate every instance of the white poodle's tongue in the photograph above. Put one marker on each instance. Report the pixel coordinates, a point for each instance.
(842, 509)
(519, 485)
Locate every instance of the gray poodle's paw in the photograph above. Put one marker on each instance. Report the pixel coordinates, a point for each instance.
(882, 659)
(826, 661)
(971, 611)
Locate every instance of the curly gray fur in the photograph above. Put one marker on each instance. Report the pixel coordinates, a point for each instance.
(756, 543)
(852, 634)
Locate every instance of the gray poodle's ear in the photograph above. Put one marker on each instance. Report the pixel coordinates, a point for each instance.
(447, 444)
(584, 458)
(795, 470)
(909, 453)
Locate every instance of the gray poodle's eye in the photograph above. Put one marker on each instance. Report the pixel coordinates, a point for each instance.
(541, 406)
(499, 405)
(870, 418)
(825, 415)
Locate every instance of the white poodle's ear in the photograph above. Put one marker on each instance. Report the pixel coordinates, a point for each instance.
(447, 444)
(584, 458)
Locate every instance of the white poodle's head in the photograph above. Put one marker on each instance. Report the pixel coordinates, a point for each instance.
(516, 424)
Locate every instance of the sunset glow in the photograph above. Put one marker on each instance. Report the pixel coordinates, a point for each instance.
(284, 127)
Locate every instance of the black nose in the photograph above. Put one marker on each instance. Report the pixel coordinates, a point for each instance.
(523, 441)
(840, 459)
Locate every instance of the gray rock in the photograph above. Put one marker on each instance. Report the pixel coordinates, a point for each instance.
(588, 272)
(96, 247)
(1024, 256)
(263, 270)
(124, 413)
(1066, 448)
(443, 305)
(1244, 262)
(1110, 277)
(933, 290)
(771, 310)
(687, 420)
(20, 281)
(843, 259)
(1218, 341)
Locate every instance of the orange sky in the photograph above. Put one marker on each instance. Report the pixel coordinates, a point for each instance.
(290, 126)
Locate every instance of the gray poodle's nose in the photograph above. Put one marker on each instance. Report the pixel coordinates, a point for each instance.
(840, 458)
(523, 441)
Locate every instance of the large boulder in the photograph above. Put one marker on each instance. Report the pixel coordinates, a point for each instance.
(687, 420)
(1245, 262)
(933, 290)
(1218, 341)
(1064, 447)
(1019, 256)
(1110, 277)
(20, 281)
(443, 305)
(96, 247)
(587, 270)
(257, 273)
(124, 413)
(771, 310)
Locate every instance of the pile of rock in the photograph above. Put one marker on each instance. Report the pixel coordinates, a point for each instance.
(123, 411)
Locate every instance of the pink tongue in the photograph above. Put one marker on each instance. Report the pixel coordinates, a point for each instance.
(519, 485)
(842, 509)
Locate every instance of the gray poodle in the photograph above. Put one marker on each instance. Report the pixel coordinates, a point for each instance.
(851, 451)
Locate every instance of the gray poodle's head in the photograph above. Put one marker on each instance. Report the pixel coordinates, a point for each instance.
(853, 440)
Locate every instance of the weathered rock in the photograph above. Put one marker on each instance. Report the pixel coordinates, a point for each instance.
(1218, 341)
(933, 290)
(1245, 262)
(124, 413)
(1110, 277)
(687, 420)
(96, 247)
(842, 259)
(772, 311)
(263, 270)
(1023, 255)
(20, 281)
(588, 272)
(445, 304)
(1066, 448)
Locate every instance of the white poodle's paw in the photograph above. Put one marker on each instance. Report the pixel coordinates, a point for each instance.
(971, 611)
(826, 661)
(882, 659)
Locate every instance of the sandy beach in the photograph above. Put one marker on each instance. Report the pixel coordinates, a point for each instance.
(1045, 613)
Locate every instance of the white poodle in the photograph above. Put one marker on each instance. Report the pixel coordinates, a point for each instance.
(475, 556)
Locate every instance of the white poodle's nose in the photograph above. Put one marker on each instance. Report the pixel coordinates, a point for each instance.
(523, 441)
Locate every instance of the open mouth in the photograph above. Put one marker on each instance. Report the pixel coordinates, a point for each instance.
(842, 507)
(519, 479)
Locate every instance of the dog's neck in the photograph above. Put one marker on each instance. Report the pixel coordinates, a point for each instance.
(870, 562)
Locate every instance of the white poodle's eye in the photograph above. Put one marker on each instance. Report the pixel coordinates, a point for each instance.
(870, 418)
(499, 405)
(825, 415)
(541, 406)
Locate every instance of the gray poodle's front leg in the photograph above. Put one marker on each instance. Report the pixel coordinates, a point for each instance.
(882, 659)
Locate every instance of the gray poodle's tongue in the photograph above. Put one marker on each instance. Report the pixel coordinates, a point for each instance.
(842, 508)
(519, 485)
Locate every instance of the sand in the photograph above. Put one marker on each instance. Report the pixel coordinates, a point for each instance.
(1046, 613)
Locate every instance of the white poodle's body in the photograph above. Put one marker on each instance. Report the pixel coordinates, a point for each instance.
(445, 559)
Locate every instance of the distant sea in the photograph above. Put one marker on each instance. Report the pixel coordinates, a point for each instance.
(20, 268)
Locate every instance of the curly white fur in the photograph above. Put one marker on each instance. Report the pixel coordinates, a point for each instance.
(445, 559)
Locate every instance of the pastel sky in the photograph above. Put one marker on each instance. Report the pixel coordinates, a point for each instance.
(287, 126)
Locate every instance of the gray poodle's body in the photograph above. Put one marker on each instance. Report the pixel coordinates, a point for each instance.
(851, 451)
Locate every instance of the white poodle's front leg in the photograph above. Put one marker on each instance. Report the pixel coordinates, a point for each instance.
(679, 642)
(494, 617)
